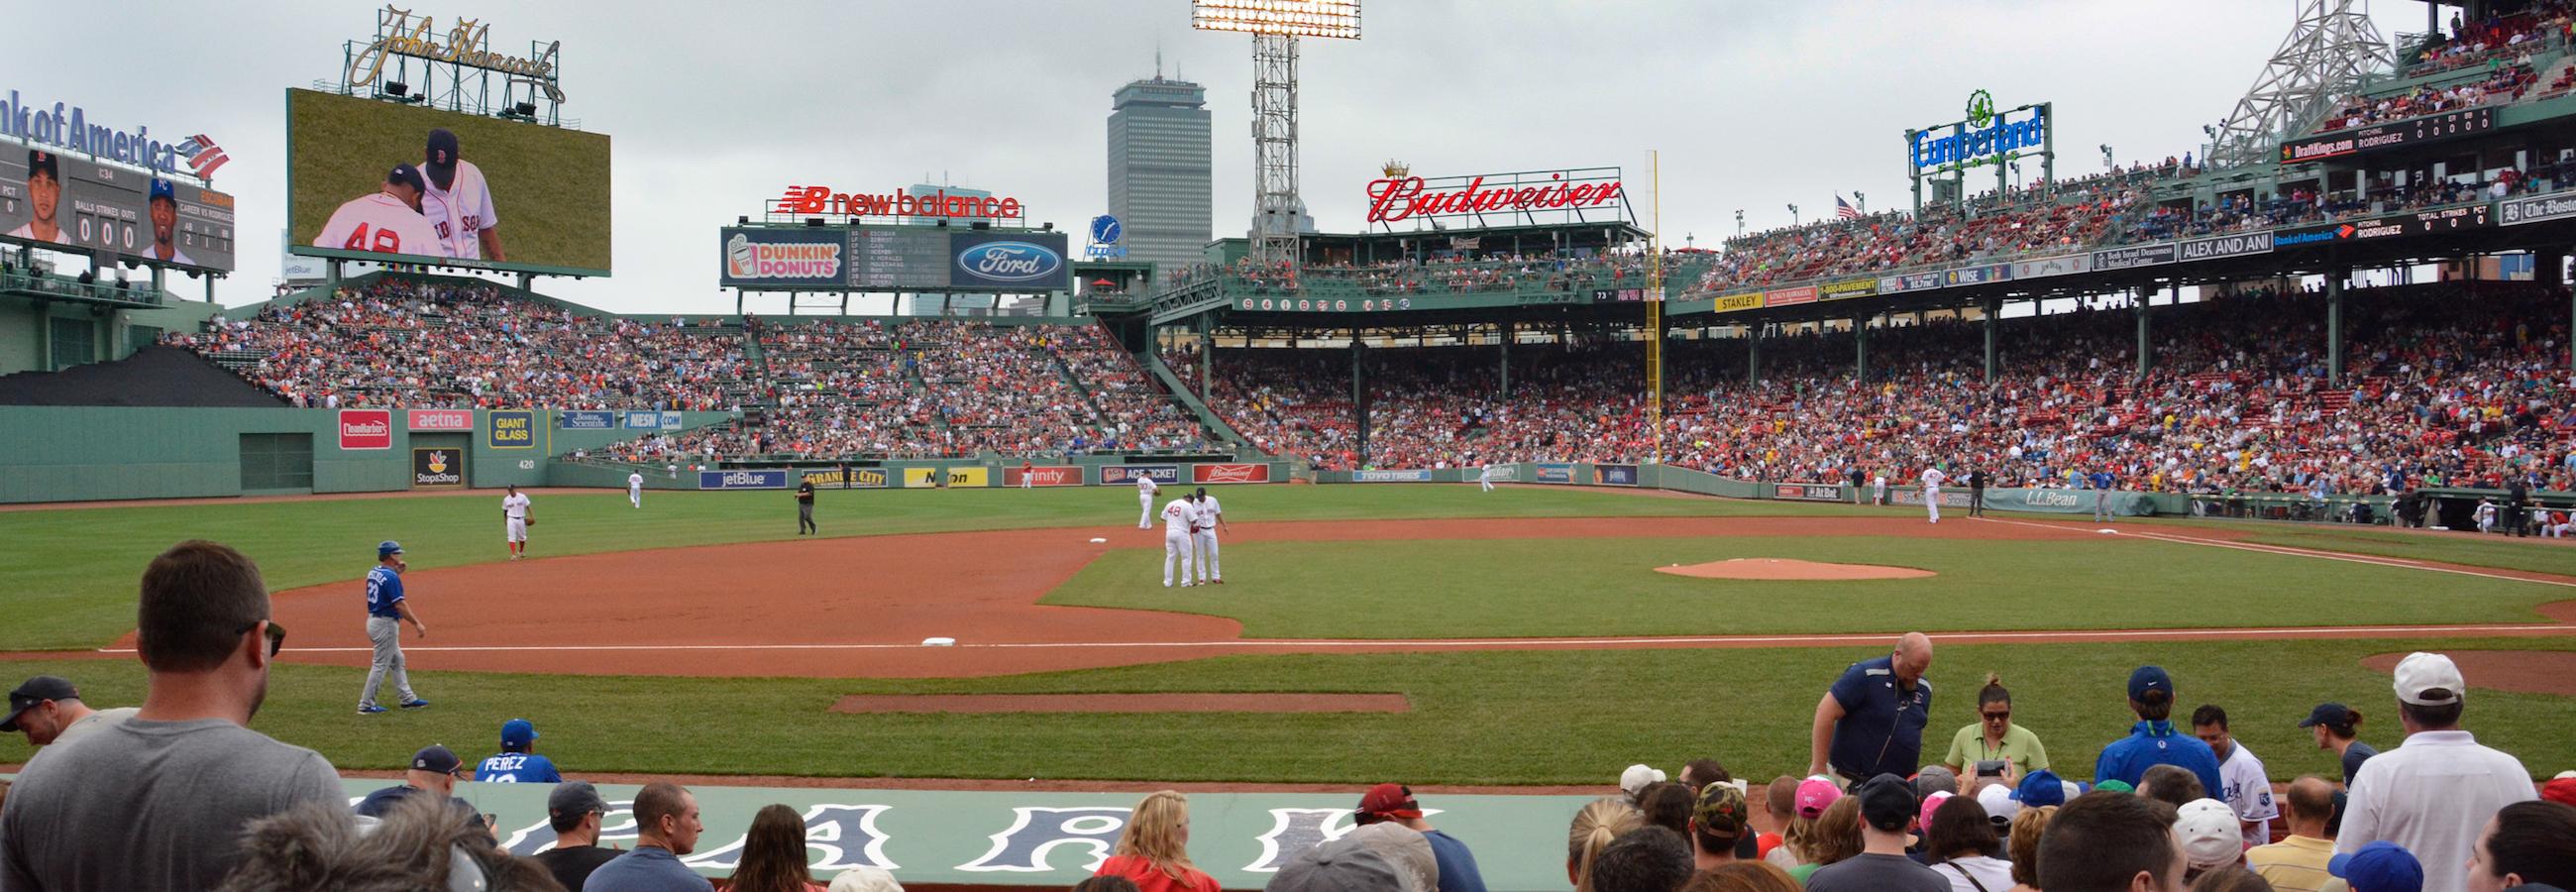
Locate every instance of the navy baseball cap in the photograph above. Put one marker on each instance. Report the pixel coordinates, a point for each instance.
(2040, 788)
(2381, 866)
(388, 548)
(407, 175)
(2149, 678)
(441, 155)
(2327, 714)
(163, 191)
(435, 758)
(574, 798)
(37, 690)
(517, 734)
(41, 160)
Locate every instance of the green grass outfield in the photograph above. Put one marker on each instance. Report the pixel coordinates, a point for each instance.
(1486, 717)
(1536, 588)
(2534, 554)
(549, 185)
(69, 574)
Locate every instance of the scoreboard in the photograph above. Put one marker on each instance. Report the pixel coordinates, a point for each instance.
(103, 209)
(899, 259)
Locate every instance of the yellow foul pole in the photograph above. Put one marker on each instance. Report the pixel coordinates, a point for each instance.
(1655, 306)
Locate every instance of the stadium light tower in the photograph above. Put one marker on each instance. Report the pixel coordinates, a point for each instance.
(1275, 26)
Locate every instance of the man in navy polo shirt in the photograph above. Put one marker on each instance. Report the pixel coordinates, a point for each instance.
(1871, 721)
(2153, 741)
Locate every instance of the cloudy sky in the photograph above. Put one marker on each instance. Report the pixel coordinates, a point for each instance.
(713, 108)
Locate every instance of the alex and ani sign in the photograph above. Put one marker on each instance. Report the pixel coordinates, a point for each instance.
(468, 43)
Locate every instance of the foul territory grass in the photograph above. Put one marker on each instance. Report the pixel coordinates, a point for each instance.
(67, 576)
(1538, 588)
(1488, 717)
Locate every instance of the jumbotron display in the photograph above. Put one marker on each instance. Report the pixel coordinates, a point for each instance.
(368, 177)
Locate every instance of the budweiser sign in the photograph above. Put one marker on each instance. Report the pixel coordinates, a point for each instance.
(1230, 473)
(1396, 198)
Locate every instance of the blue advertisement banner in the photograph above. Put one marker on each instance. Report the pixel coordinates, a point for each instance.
(585, 420)
(1412, 475)
(1111, 475)
(1554, 472)
(1017, 261)
(1615, 475)
(770, 479)
(671, 421)
(510, 429)
(644, 421)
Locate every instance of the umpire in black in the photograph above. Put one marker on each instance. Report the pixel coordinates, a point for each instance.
(1977, 492)
(805, 506)
(2515, 498)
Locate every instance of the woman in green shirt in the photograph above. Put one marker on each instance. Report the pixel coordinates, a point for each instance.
(1994, 737)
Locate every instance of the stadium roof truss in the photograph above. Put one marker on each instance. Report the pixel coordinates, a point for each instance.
(2330, 50)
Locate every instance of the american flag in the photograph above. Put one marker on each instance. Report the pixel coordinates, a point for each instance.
(202, 154)
(1843, 209)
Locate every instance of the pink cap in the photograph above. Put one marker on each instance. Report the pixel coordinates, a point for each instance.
(1815, 794)
(1929, 804)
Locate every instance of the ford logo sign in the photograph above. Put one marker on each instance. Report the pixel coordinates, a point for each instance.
(1010, 261)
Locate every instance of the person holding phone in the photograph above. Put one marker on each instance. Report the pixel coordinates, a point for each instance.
(1993, 748)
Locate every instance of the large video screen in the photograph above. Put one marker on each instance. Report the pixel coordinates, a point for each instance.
(368, 177)
(71, 203)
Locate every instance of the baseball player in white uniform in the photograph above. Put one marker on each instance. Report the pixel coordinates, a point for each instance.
(1203, 537)
(44, 200)
(1179, 518)
(1145, 490)
(462, 212)
(1878, 490)
(387, 222)
(1485, 477)
(1932, 478)
(635, 488)
(514, 517)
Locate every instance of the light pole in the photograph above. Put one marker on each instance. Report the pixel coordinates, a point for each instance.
(1793, 215)
(1862, 199)
(1275, 26)
(1739, 221)
(2107, 163)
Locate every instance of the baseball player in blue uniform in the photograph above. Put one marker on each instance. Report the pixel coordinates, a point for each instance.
(386, 612)
(516, 764)
(2102, 482)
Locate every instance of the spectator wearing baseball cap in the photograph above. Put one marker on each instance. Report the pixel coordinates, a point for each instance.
(1719, 820)
(1887, 811)
(2207, 830)
(518, 762)
(1798, 837)
(1871, 721)
(2433, 793)
(2040, 788)
(2560, 789)
(2380, 866)
(2527, 844)
(575, 810)
(2298, 862)
(1394, 804)
(1636, 778)
(2153, 741)
(434, 769)
(2337, 728)
(49, 711)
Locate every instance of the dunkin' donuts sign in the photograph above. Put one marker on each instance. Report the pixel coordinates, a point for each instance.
(366, 429)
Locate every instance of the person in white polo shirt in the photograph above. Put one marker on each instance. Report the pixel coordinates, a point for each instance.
(2434, 793)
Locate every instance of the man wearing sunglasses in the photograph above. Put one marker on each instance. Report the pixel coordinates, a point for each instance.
(186, 774)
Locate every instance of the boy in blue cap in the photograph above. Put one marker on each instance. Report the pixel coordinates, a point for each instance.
(517, 764)
(2152, 741)
(2379, 867)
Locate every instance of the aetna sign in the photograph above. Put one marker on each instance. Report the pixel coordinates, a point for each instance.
(1396, 198)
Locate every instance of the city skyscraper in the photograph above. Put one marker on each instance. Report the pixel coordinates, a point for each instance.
(1158, 170)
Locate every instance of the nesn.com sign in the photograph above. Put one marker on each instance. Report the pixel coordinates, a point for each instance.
(769, 479)
(1969, 144)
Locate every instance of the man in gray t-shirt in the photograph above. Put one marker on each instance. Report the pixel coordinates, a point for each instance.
(159, 802)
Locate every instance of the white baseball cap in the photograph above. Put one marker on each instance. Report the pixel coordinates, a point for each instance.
(1637, 777)
(2421, 672)
(2209, 834)
(2000, 805)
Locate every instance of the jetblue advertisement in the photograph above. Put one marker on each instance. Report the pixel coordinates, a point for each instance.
(1015, 261)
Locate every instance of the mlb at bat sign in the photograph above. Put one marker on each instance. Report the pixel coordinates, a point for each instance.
(1615, 475)
(764, 479)
(1230, 473)
(366, 429)
(439, 419)
(585, 420)
(1043, 475)
(1127, 474)
(437, 468)
(510, 429)
(1552, 472)
(1413, 475)
(1808, 492)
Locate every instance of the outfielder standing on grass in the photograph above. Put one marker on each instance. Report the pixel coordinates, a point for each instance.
(635, 488)
(1203, 537)
(515, 522)
(386, 612)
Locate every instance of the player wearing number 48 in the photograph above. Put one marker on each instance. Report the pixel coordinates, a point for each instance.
(388, 221)
(517, 763)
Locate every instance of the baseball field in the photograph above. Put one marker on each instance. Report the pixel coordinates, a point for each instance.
(1520, 637)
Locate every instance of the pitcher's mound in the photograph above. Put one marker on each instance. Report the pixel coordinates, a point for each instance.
(1789, 568)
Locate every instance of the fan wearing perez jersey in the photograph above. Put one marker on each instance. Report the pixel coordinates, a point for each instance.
(387, 222)
(517, 764)
(462, 211)
(1179, 518)
(386, 612)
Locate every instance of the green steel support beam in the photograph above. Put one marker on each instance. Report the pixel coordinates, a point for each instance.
(2334, 324)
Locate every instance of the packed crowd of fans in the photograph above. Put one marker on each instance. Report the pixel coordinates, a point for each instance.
(1454, 273)
(420, 344)
(2448, 384)
(2068, 217)
(1881, 803)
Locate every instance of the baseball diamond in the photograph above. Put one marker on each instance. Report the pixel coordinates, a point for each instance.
(2200, 521)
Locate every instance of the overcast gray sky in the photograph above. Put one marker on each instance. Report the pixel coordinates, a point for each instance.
(713, 108)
